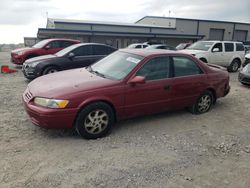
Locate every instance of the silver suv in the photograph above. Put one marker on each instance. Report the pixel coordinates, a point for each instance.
(225, 53)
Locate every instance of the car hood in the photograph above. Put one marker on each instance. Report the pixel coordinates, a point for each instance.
(39, 58)
(192, 51)
(21, 50)
(246, 69)
(65, 84)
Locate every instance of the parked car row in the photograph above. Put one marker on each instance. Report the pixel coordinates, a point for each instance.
(107, 85)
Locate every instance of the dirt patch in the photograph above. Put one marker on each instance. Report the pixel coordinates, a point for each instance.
(175, 149)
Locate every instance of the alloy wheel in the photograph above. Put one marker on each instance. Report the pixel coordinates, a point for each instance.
(96, 121)
(204, 103)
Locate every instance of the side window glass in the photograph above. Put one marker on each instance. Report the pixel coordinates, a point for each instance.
(54, 44)
(101, 50)
(155, 69)
(83, 51)
(229, 47)
(218, 45)
(185, 67)
(239, 47)
(65, 44)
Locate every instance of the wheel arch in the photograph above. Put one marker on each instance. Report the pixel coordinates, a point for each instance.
(50, 65)
(212, 90)
(204, 59)
(239, 60)
(104, 100)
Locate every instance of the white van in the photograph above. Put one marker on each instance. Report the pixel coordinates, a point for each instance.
(225, 53)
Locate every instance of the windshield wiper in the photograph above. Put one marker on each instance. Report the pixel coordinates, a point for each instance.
(95, 72)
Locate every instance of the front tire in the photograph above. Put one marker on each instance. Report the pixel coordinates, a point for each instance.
(203, 104)
(95, 120)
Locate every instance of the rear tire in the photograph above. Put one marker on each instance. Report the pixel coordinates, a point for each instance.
(50, 70)
(95, 120)
(203, 104)
(234, 66)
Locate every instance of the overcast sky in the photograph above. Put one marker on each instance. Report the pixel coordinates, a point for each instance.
(19, 18)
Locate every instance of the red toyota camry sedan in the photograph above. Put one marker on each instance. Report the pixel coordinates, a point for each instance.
(125, 84)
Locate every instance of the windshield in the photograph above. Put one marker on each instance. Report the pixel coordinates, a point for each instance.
(66, 50)
(116, 66)
(204, 46)
(181, 46)
(40, 44)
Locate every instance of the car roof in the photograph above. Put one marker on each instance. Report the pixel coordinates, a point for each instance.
(149, 52)
(219, 41)
(61, 39)
(99, 44)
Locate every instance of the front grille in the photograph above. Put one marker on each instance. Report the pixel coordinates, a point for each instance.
(27, 95)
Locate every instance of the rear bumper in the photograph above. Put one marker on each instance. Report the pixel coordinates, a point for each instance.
(50, 118)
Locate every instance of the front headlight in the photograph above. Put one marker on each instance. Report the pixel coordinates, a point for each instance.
(51, 103)
(20, 53)
(34, 64)
(246, 69)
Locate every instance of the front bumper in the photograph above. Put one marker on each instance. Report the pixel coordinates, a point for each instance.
(244, 78)
(29, 72)
(47, 117)
(16, 59)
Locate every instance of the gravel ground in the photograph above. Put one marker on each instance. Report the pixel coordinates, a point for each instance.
(174, 149)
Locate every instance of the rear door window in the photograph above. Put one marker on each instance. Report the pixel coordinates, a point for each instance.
(185, 67)
(65, 44)
(229, 47)
(102, 50)
(239, 47)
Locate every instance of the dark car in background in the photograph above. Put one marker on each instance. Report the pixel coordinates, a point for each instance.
(182, 46)
(138, 45)
(244, 75)
(125, 84)
(44, 47)
(161, 46)
(75, 56)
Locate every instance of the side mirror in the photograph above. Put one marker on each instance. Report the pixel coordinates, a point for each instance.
(216, 50)
(47, 47)
(71, 55)
(137, 80)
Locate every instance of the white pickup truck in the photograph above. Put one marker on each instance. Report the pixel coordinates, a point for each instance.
(225, 53)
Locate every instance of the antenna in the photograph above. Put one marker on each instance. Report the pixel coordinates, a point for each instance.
(47, 14)
(169, 12)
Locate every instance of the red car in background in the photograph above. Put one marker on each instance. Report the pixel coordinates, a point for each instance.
(44, 47)
(125, 84)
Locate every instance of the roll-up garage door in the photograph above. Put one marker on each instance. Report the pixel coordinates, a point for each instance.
(216, 34)
(240, 35)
